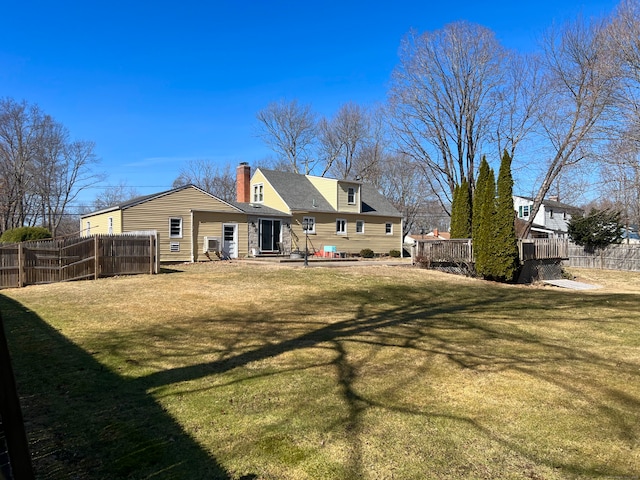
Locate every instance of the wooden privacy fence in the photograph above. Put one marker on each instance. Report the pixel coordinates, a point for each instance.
(77, 258)
(614, 257)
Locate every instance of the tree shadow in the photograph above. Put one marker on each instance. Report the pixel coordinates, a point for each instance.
(84, 421)
(423, 324)
(427, 327)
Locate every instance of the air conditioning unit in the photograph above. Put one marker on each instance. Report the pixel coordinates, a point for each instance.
(211, 244)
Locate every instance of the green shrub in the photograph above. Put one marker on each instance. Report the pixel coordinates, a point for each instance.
(394, 253)
(366, 253)
(22, 234)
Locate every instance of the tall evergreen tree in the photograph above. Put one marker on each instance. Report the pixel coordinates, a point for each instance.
(483, 220)
(505, 259)
(461, 211)
(481, 185)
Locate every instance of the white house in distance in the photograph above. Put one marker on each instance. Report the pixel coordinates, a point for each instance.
(552, 219)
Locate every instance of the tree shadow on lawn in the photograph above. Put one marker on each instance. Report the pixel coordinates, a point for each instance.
(429, 326)
(123, 432)
(84, 421)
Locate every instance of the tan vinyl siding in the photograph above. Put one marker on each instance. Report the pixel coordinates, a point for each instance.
(374, 236)
(100, 223)
(271, 196)
(327, 188)
(209, 224)
(343, 197)
(156, 213)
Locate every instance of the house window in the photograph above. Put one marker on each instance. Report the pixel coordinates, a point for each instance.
(564, 215)
(351, 196)
(174, 246)
(359, 226)
(341, 226)
(88, 228)
(258, 193)
(311, 224)
(110, 225)
(175, 227)
(388, 228)
(550, 213)
(523, 211)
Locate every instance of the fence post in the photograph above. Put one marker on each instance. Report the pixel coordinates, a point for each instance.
(152, 262)
(20, 266)
(96, 254)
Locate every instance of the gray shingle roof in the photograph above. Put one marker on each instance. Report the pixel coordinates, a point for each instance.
(145, 198)
(299, 194)
(259, 209)
(297, 191)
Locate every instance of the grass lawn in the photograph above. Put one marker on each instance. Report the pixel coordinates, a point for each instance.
(236, 371)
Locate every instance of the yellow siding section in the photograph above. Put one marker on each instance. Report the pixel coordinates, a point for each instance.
(99, 224)
(343, 197)
(374, 236)
(210, 224)
(271, 197)
(155, 214)
(327, 188)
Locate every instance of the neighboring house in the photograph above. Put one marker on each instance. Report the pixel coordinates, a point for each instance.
(435, 234)
(191, 224)
(344, 215)
(552, 219)
(630, 235)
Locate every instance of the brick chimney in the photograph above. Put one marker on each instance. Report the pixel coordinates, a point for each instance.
(243, 183)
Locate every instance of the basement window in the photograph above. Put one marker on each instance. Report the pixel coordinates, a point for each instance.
(174, 247)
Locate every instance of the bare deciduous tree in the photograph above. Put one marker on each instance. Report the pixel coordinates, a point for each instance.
(41, 171)
(65, 177)
(289, 129)
(113, 195)
(209, 177)
(444, 98)
(341, 139)
(581, 78)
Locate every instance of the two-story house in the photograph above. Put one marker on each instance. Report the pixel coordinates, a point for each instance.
(552, 219)
(341, 215)
(267, 218)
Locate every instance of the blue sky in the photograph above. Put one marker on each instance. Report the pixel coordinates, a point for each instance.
(155, 84)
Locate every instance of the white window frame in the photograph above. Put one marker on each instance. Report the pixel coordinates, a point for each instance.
(360, 227)
(88, 227)
(174, 247)
(312, 230)
(341, 226)
(351, 196)
(110, 225)
(171, 234)
(388, 228)
(258, 193)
